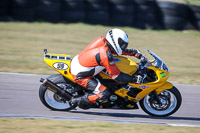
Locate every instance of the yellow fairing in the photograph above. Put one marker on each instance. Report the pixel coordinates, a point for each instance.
(60, 63)
(126, 65)
(165, 86)
(159, 85)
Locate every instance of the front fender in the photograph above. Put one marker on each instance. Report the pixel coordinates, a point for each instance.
(165, 86)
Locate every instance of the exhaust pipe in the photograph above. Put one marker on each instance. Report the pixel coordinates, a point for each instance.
(56, 89)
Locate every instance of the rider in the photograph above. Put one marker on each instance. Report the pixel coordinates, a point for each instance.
(98, 55)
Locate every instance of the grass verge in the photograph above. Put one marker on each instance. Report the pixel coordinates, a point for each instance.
(22, 44)
(20, 125)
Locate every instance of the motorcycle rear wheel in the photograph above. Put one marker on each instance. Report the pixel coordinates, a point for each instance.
(52, 100)
(171, 101)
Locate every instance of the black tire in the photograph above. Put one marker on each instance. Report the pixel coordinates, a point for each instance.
(4, 3)
(73, 11)
(25, 3)
(4, 7)
(49, 10)
(176, 23)
(189, 26)
(24, 14)
(96, 7)
(169, 12)
(145, 2)
(146, 107)
(145, 9)
(128, 9)
(173, 9)
(197, 15)
(194, 14)
(97, 12)
(58, 79)
(122, 13)
(97, 1)
(126, 2)
(24, 10)
(183, 8)
(194, 17)
(198, 23)
(146, 17)
(73, 16)
(146, 24)
(4, 10)
(73, 5)
(195, 8)
(98, 17)
(123, 19)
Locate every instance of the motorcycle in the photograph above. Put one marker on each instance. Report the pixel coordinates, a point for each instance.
(155, 95)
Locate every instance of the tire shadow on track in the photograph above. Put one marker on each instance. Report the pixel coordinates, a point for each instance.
(126, 115)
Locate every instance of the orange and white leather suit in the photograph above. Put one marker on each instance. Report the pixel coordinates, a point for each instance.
(91, 61)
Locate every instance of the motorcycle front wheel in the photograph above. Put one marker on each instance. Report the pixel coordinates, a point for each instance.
(170, 102)
(52, 100)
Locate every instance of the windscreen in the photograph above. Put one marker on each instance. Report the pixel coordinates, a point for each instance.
(158, 62)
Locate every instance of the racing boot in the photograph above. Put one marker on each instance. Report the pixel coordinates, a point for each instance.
(100, 97)
(82, 102)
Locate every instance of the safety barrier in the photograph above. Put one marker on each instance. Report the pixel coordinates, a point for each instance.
(143, 14)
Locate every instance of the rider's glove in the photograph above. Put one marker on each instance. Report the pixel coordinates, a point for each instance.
(143, 60)
(137, 53)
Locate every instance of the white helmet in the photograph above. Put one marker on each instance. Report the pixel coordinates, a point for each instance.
(118, 39)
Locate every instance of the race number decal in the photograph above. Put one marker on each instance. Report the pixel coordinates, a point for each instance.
(60, 66)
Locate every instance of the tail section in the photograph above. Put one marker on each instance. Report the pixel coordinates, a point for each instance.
(59, 62)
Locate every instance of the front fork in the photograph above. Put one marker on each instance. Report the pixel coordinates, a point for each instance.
(155, 93)
(155, 96)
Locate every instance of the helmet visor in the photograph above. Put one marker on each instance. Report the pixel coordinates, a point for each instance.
(123, 45)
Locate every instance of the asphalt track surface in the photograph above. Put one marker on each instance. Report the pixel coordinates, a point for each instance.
(19, 98)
